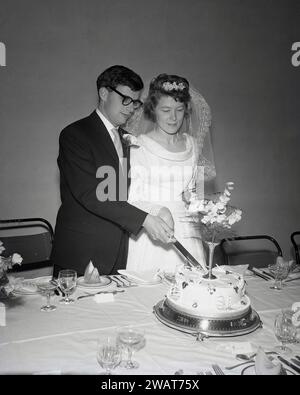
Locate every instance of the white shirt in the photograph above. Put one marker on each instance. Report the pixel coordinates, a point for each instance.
(112, 130)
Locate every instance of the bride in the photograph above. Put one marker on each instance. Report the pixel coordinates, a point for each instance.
(172, 158)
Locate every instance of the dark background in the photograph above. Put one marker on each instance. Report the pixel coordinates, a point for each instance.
(237, 53)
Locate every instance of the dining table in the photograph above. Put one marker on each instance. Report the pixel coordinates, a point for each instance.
(65, 341)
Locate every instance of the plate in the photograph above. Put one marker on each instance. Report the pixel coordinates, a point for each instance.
(29, 286)
(250, 371)
(143, 278)
(105, 281)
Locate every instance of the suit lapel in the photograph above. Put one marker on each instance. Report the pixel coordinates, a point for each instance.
(102, 135)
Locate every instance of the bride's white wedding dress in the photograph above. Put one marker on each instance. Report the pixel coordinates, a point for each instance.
(159, 177)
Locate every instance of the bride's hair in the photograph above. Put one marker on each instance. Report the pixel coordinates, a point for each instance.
(166, 85)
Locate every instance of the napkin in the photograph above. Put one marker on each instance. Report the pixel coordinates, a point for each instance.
(141, 277)
(266, 366)
(103, 298)
(2, 314)
(91, 274)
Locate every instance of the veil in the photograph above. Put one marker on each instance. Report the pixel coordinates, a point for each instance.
(197, 124)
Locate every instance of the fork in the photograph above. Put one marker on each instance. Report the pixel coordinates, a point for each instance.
(218, 370)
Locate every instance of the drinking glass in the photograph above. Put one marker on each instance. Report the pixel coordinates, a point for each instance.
(67, 281)
(108, 355)
(280, 273)
(47, 288)
(131, 339)
(285, 331)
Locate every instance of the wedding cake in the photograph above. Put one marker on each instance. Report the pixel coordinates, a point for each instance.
(220, 298)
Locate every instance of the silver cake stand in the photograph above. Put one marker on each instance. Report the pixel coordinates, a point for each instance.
(204, 327)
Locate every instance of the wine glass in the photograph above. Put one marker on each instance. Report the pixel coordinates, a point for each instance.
(280, 273)
(47, 288)
(67, 280)
(108, 355)
(131, 339)
(285, 331)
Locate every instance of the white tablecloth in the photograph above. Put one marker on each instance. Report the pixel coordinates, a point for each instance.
(64, 341)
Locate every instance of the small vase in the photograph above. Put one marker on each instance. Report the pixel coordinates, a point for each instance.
(211, 247)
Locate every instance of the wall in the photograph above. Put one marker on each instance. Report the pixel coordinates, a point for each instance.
(237, 53)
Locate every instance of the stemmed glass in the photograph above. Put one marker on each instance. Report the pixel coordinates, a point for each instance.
(47, 288)
(285, 331)
(280, 273)
(108, 355)
(131, 339)
(67, 280)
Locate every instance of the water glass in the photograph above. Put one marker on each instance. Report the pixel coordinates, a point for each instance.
(284, 331)
(108, 355)
(67, 280)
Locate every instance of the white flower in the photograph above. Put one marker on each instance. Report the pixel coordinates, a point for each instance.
(130, 139)
(16, 259)
(167, 86)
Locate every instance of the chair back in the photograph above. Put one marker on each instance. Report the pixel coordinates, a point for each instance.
(257, 256)
(296, 246)
(32, 238)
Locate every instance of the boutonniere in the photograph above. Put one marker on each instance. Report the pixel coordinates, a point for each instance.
(130, 140)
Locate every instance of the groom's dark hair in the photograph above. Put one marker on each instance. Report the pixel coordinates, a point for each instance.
(119, 75)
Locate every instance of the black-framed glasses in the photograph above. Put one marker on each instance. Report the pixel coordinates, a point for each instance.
(127, 100)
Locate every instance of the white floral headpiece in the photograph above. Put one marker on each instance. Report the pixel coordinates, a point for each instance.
(167, 86)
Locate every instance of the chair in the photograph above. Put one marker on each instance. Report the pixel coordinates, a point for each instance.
(255, 257)
(32, 238)
(296, 246)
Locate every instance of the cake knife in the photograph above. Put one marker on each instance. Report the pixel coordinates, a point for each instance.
(189, 257)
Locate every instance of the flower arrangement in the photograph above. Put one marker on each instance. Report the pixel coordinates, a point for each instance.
(168, 86)
(5, 264)
(216, 215)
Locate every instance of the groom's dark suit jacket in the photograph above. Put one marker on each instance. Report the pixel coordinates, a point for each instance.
(86, 228)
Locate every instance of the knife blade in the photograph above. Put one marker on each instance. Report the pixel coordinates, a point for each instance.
(291, 365)
(189, 257)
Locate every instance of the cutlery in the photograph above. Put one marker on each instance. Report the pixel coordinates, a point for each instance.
(218, 370)
(58, 291)
(297, 356)
(291, 279)
(268, 274)
(239, 364)
(295, 361)
(130, 282)
(100, 292)
(263, 276)
(291, 365)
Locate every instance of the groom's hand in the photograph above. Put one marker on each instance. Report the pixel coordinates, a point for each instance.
(166, 215)
(158, 229)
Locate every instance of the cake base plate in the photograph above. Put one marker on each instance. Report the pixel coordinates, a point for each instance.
(203, 327)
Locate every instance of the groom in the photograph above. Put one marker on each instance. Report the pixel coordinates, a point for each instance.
(92, 225)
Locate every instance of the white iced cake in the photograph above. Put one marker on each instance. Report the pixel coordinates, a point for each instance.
(223, 297)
